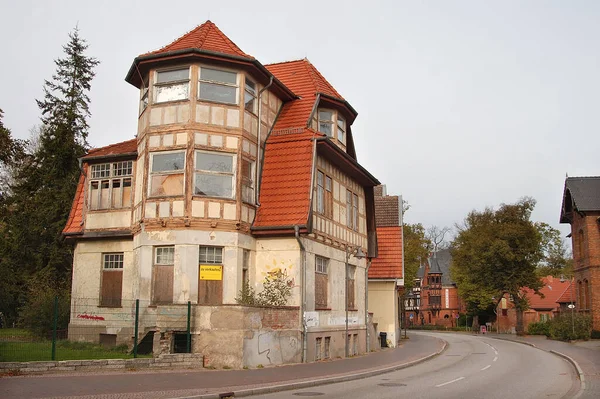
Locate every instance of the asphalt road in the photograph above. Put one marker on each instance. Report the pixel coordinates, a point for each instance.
(471, 367)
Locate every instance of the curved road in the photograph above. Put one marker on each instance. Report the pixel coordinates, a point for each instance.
(471, 367)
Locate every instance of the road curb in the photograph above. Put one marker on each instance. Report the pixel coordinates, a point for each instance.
(322, 381)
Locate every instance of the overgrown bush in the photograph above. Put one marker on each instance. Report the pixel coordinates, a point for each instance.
(595, 334)
(277, 288)
(570, 326)
(37, 314)
(539, 328)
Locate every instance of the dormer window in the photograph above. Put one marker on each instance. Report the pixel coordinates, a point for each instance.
(218, 86)
(326, 123)
(341, 129)
(172, 85)
(250, 96)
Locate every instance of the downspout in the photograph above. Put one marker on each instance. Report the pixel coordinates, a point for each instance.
(260, 92)
(302, 292)
(368, 346)
(404, 293)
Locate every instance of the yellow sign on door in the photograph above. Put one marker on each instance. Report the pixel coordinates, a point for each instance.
(211, 272)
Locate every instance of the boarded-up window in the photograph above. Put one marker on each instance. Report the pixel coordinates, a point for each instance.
(112, 279)
(351, 287)
(162, 275)
(210, 284)
(166, 173)
(321, 282)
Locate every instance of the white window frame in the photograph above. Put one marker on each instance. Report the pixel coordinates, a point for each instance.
(165, 173)
(248, 184)
(171, 83)
(112, 260)
(341, 129)
(112, 174)
(212, 255)
(219, 83)
(231, 174)
(321, 265)
(158, 255)
(329, 122)
(250, 93)
(352, 210)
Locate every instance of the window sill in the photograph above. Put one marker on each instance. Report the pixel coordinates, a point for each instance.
(201, 100)
(316, 308)
(111, 307)
(184, 100)
(109, 210)
(165, 197)
(352, 310)
(213, 198)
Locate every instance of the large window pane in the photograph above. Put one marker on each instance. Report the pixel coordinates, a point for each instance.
(173, 92)
(218, 93)
(214, 75)
(172, 76)
(214, 162)
(168, 162)
(214, 185)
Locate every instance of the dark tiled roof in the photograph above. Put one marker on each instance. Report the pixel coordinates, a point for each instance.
(387, 211)
(585, 192)
(441, 262)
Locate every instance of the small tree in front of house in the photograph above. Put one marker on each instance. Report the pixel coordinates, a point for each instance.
(277, 289)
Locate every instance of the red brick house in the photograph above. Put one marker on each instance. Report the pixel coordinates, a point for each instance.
(556, 298)
(434, 299)
(581, 209)
(237, 170)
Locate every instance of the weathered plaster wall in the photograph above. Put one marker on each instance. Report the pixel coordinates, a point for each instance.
(383, 303)
(108, 220)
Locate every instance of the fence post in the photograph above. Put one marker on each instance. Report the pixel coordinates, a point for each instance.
(54, 325)
(135, 333)
(189, 332)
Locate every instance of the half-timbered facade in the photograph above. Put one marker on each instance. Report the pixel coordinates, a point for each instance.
(237, 170)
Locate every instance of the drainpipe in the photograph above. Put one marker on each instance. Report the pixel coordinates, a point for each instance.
(258, 134)
(368, 346)
(302, 291)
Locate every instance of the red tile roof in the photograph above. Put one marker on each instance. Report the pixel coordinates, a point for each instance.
(305, 80)
(552, 290)
(205, 37)
(568, 295)
(75, 221)
(388, 264)
(124, 147)
(286, 180)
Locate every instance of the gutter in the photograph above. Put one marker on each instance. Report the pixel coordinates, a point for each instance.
(111, 156)
(348, 158)
(303, 293)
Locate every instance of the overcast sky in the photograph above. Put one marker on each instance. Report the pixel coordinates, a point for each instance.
(462, 104)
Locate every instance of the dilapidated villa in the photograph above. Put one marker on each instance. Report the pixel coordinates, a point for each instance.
(237, 170)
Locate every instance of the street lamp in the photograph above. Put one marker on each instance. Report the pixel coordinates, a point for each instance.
(571, 306)
(358, 254)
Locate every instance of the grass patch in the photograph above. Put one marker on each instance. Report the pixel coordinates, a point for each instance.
(41, 350)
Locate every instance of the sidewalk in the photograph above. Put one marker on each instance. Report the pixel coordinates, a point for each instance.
(585, 356)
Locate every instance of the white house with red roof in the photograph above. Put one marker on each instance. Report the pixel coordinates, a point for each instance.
(237, 170)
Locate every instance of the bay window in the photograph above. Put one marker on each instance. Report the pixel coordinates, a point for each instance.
(172, 85)
(341, 129)
(214, 174)
(217, 85)
(250, 103)
(326, 122)
(248, 181)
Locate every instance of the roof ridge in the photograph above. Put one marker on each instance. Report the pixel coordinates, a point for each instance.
(179, 38)
(583, 177)
(286, 62)
(315, 70)
(310, 71)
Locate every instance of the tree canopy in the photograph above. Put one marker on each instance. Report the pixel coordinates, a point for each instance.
(497, 252)
(416, 250)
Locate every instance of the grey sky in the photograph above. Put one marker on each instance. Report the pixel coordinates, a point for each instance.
(462, 104)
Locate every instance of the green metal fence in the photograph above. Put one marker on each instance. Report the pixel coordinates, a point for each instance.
(126, 329)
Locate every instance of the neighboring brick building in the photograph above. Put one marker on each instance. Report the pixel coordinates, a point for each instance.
(434, 299)
(556, 298)
(581, 209)
(237, 170)
(386, 273)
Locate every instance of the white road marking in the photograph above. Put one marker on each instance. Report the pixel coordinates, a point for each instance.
(486, 367)
(496, 358)
(495, 352)
(450, 382)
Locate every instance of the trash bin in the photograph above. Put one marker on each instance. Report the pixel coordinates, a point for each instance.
(383, 339)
